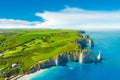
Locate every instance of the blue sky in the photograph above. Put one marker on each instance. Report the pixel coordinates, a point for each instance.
(30, 13)
(25, 9)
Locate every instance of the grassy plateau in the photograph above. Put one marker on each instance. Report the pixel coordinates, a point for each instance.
(26, 47)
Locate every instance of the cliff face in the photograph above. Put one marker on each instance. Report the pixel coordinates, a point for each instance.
(48, 63)
(76, 56)
(63, 59)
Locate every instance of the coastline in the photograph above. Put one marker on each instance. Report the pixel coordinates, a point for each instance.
(62, 59)
(28, 76)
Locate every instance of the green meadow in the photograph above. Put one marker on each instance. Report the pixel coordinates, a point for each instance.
(26, 47)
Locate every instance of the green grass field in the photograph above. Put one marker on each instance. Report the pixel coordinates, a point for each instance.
(27, 47)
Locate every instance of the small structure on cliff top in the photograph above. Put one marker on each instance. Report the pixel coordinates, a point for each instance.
(14, 65)
(1, 54)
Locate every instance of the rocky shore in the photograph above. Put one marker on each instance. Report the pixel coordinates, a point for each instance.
(83, 55)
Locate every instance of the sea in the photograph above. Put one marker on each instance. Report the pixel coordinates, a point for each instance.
(108, 42)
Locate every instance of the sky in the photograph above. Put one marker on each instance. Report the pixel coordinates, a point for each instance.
(65, 14)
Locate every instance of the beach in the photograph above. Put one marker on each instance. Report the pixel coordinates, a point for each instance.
(28, 76)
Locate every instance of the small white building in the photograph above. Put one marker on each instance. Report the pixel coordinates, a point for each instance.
(1, 54)
(14, 65)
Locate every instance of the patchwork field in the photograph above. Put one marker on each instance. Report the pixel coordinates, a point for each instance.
(25, 47)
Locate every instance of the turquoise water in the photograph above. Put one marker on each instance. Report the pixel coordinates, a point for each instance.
(109, 69)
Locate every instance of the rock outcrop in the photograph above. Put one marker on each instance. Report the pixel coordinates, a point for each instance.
(99, 57)
(86, 58)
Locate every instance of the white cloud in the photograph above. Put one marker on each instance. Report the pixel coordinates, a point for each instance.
(76, 18)
(11, 23)
(70, 18)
